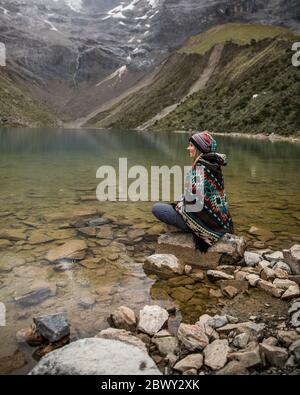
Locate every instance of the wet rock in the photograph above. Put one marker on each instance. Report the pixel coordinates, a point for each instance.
(64, 265)
(253, 279)
(123, 336)
(215, 354)
(30, 336)
(166, 343)
(193, 361)
(252, 258)
(183, 247)
(276, 356)
(249, 357)
(233, 368)
(10, 363)
(36, 293)
(193, 337)
(292, 257)
(230, 292)
(12, 234)
(36, 237)
(261, 234)
(4, 244)
(105, 232)
(292, 292)
(288, 337)
(98, 221)
(270, 288)
(241, 340)
(163, 265)
(197, 275)
(180, 281)
(135, 233)
(152, 319)
(8, 261)
(52, 327)
(88, 231)
(283, 284)
(107, 356)
(124, 318)
(182, 294)
(295, 350)
(215, 275)
(283, 266)
(74, 249)
(87, 301)
(23, 334)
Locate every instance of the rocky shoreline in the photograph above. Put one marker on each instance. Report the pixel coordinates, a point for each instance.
(218, 344)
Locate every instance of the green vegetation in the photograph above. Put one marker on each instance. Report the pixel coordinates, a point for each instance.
(256, 90)
(240, 34)
(17, 108)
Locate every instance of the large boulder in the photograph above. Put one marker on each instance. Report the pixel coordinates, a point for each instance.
(292, 257)
(74, 249)
(96, 356)
(163, 265)
(228, 249)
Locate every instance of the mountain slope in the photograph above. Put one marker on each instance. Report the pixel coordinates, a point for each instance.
(251, 87)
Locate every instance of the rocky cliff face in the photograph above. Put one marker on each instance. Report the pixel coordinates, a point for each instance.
(79, 43)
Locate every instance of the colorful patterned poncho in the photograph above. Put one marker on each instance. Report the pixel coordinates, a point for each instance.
(205, 195)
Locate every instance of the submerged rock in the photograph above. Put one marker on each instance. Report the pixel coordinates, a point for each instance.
(8, 261)
(52, 327)
(96, 356)
(74, 249)
(12, 234)
(36, 293)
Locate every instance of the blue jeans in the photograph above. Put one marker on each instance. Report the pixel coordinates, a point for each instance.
(167, 214)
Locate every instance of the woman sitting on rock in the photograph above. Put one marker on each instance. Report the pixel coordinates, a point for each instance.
(203, 209)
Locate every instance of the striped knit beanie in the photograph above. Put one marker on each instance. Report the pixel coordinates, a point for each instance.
(204, 142)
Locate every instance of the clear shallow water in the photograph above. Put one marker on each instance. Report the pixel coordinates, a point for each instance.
(46, 173)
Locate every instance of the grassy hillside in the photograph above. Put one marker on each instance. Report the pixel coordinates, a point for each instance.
(17, 108)
(256, 89)
(236, 33)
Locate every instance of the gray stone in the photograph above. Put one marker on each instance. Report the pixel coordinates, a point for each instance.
(270, 288)
(292, 292)
(241, 340)
(288, 337)
(253, 279)
(205, 322)
(276, 356)
(215, 354)
(248, 358)
(152, 319)
(268, 274)
(275, 256)
(74, 249)
(193, 337)
(193, 361)
(218, 321)
(292, 257)
(247, 327)
(283, 266)
(231, 245)
(262, 265)
(233, 368)
(295, 350)
(295, 306)
(123, 336)
(295, 321)
(252, 258)
(283, 283)
(52, 327)
(87, 301)
(36, 293)
(98, 221)
(124, 318)
(163, 265)
(96, 356)
(218, 275)
(166, 343)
